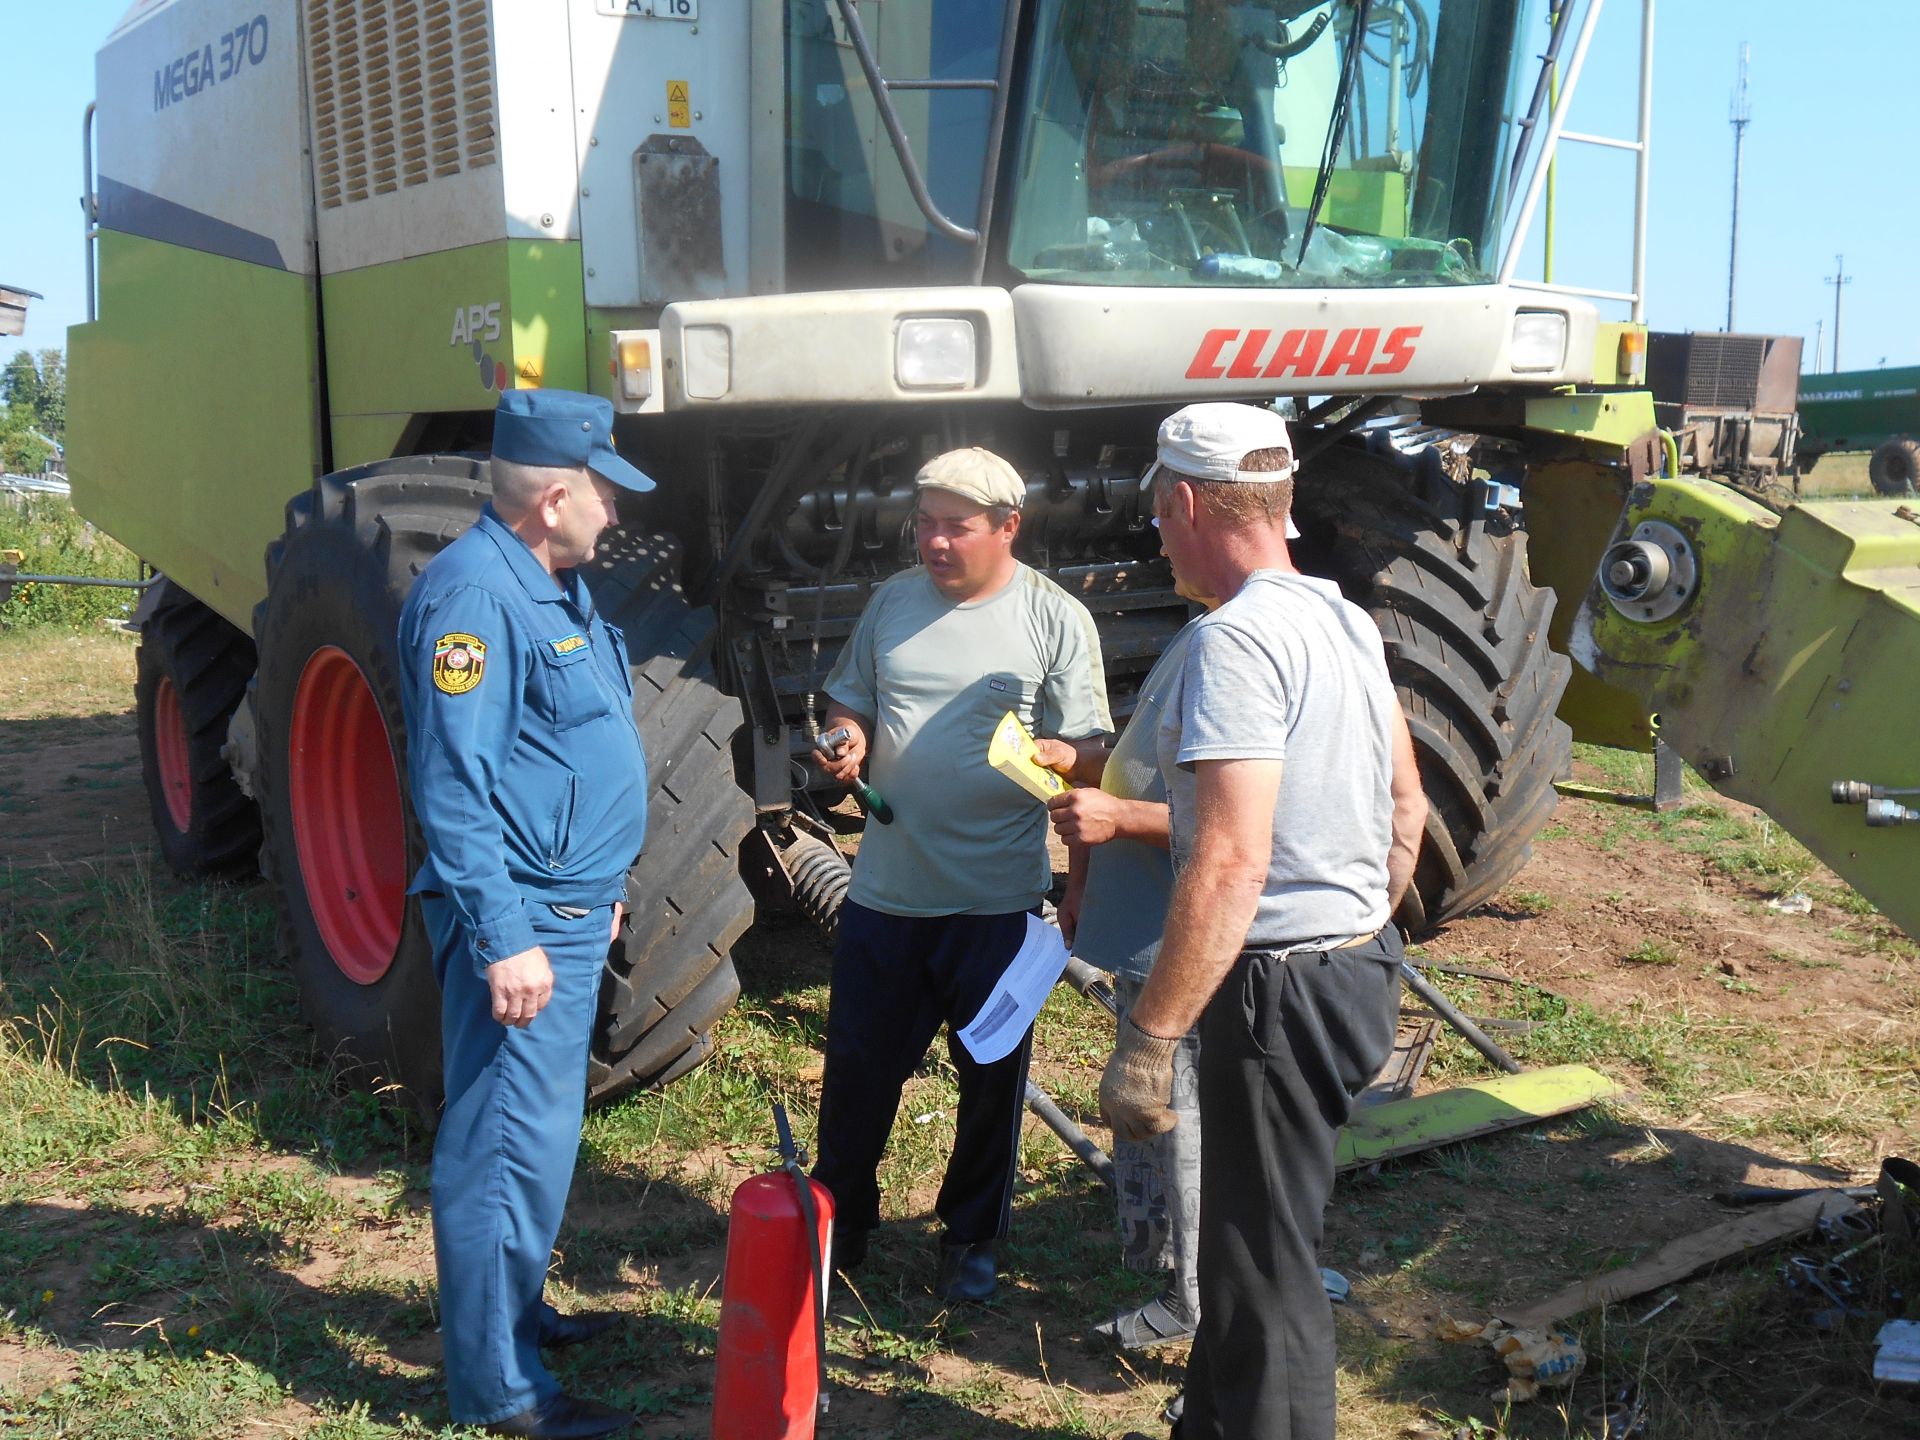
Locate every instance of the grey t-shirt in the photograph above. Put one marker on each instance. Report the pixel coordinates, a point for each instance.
(936, 676)
(1124, 907)
(1288, 670)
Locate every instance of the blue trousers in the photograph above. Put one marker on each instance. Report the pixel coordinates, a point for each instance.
(503, 1157)
(896, 979)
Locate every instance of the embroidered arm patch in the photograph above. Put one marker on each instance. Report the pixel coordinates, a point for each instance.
(459, 662)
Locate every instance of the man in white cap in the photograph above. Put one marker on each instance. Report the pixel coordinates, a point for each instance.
(1119, 879)
(939, 900)
(1295, 813)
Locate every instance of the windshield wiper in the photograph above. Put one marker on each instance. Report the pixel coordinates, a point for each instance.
(1336, 124)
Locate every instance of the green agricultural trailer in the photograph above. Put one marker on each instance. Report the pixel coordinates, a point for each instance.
(1877, 410)
(801, 245)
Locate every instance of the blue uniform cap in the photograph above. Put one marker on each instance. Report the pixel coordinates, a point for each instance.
(562, 429)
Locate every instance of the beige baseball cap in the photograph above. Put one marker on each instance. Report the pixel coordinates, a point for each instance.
(1208, 442)
(979, 475)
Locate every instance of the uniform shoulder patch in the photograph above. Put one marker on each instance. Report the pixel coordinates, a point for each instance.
(459, 660)
(567, 644)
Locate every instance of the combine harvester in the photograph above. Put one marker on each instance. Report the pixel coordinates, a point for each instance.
(803, 245)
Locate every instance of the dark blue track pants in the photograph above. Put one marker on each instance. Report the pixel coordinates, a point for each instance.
(503, 1157)
(896, 979)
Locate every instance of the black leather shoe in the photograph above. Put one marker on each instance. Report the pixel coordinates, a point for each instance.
(967, 1272)
(560, 1331)
(563, 1417)
(850, 1248)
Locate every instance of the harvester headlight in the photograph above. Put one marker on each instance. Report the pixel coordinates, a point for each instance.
(934, 354)
(1539, 341)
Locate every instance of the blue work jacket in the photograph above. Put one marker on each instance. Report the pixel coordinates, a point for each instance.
(525, 765)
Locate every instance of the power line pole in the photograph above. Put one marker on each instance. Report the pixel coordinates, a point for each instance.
(1819, 333)
(1739, 115)
(1836, 280)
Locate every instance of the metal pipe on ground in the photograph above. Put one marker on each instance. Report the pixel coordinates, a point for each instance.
(14, 577)
(1075, 1139)
(1458, 1019)
(1096, 985)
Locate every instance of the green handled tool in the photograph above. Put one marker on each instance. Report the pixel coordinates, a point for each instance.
(829, 745)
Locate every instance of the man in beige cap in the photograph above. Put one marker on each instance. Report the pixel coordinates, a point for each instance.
(940, 897)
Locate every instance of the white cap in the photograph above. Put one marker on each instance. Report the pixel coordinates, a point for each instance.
(1208, 441)
(979, 475)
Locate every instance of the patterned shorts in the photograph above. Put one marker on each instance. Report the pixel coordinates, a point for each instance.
(1159, 1189)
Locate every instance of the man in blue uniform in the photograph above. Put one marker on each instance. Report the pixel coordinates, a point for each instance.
(530, 787)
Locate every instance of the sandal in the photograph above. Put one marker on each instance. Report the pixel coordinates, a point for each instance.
(1154, 1323)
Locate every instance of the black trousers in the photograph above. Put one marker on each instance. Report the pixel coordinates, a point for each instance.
(896, 980)
(1285, 1047)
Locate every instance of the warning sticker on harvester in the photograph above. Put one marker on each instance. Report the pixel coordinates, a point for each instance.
(679, 108)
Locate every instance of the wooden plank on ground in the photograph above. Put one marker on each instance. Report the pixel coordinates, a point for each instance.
(1680, 1258)
(1464, 1112)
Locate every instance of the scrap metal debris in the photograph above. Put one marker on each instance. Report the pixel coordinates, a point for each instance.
(1624, 1417)
(1897, 1360)
(1828, 1292)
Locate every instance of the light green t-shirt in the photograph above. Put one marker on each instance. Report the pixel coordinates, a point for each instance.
(935, 676)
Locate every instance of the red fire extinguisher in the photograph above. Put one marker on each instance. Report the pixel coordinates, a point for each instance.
(770, 1380)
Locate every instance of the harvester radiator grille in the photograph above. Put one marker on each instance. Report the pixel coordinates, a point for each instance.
(1724, 371)
(403, 94)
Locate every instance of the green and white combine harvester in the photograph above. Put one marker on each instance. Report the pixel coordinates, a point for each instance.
(803, 245)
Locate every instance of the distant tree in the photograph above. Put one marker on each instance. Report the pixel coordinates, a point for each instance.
(22, 451)
(34, 392)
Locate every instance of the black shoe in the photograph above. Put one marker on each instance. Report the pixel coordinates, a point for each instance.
(563, 1417)
(850, 1248)
(967, 1271)
(559, 1331)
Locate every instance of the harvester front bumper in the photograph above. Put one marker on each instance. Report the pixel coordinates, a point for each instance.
(1057, 347)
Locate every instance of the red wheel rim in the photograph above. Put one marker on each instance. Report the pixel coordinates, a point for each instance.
(348, 825)
(170, 755)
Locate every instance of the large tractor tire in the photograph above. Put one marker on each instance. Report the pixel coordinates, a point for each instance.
(1466, 642)
(341, 842)
(669, 976)
(190, 675)
(1894, 468)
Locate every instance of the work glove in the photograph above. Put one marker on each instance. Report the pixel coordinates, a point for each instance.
(1136, 1092)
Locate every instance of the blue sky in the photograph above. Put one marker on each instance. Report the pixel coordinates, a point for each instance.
(1828, 167)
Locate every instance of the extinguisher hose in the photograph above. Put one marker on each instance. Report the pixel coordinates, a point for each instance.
(793, 1160)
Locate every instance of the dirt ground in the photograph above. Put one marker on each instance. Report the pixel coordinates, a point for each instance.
(1600, 915)
(69, 757)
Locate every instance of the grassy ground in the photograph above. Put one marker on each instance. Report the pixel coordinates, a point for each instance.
(1838, 477)
(201, 1235)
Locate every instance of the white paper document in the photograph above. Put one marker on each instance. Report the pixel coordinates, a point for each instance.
(1017, 997)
